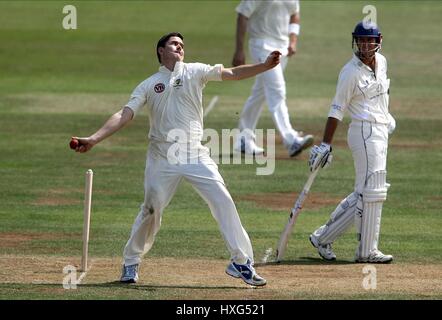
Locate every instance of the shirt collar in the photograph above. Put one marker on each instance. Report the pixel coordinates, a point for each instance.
(163, 69)
(178, 66)
(360, 64)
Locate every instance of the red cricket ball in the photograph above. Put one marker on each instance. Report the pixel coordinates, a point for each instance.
(74, 144)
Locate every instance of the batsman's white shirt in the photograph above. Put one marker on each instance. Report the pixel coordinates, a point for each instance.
(363, 92)
(174, 101)
(269, 20)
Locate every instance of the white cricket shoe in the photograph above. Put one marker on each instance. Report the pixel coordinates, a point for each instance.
(300, 144)
(247, 146)
(325, 251)
(375, 257)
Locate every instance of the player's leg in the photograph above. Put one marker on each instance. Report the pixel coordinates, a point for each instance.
(245, 142)
(160, 184)
(375, 193)
(275, 93)
(369, 147)
(209, 184)
(340, 220)
(253, 107)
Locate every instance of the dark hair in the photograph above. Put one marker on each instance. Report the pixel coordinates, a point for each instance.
(162, 42)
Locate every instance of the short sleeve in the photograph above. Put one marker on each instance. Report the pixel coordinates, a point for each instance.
(138, 98)
(343, 96)
(247, 7)
(206, 72)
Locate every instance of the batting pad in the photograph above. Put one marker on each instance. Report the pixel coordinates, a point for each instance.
(340, 220)
(374, 195)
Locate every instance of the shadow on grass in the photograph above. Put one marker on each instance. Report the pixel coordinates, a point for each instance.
(118, 284)
(304, 261)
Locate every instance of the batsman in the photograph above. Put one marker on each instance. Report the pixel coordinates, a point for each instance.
(363, 90)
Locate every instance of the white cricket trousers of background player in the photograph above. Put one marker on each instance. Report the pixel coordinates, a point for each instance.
(368, 143)
(269, 86)
(161, 182)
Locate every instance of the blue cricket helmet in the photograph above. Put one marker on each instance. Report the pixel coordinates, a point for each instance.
(366, 29)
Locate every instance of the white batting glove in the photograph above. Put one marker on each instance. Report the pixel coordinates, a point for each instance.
(320, 156)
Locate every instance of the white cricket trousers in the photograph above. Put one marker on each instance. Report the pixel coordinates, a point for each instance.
(269, 87)
(368, 143)
(161, 182)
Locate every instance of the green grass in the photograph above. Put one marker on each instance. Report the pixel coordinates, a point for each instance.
(56, 83)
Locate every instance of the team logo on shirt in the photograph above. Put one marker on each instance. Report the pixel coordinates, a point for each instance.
(177, 83)
(159, 87)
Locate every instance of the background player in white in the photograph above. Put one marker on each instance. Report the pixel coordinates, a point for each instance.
(173, 96)
(363, 90)
(272, 25)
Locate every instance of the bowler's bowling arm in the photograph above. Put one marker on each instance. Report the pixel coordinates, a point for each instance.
(112, 125)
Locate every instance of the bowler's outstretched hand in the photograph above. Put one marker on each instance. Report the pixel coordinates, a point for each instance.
(273, 59)
(83, 145)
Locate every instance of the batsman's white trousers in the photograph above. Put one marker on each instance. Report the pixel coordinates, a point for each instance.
(269, 86)
(368, 143)
(161, 182)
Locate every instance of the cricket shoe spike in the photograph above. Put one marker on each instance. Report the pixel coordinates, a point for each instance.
(246, 272)
(325, 251)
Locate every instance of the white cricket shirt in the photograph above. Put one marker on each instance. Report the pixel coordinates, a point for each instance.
(269, 19)
(364, 93)
(174, 100)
